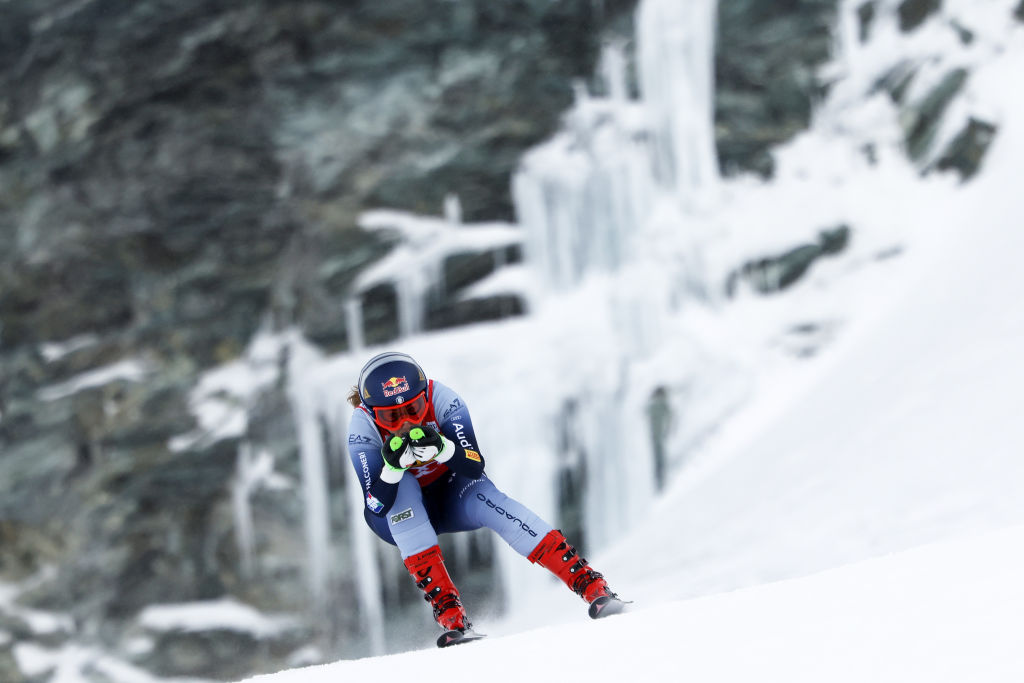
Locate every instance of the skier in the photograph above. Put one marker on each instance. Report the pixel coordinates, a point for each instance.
(412, 443)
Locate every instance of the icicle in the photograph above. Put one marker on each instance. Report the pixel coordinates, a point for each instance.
(301, 393)
(613, 72)
(354, 323)
(410, 305)
(676, 53)
(241, 489)
(580, 195)
(460, 550)
(452, 209)
(369, 589)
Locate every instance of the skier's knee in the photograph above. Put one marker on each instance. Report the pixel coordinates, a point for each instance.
(379, 526)
(412, 532)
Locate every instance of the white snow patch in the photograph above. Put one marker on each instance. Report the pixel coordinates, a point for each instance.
(40, 622)
(53, 351)
(225, 613)
(221, 400)
(130, 370)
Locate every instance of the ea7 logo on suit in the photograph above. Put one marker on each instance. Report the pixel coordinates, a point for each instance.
(452, 407)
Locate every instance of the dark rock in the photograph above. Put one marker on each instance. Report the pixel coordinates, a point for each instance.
(380, 314)
(896, 81)
(474, 310)
(33, 473)
(889, 253)
(870, 152)
(865, 18)
(965, 34)
(221, 653)
(1019, 12)
(324, 284)
(780, 273)
(834, 241)
(922, 120)
(45, 301)
(776, 273)
(807, 339)
(9, 670)
(205, 148)
(178, 500)
(147, 417)
(462, 270)
(912, 13)
(27, 548)
(187, 480)
(967, 150)
(15, 33)
(765, 60)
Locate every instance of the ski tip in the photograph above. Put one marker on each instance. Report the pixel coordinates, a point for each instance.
(606, 606)
(449, 638)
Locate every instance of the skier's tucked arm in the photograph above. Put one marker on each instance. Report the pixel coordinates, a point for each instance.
(380, 480)
(457, 429)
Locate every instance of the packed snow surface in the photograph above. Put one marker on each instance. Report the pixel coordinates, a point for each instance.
(947, 612)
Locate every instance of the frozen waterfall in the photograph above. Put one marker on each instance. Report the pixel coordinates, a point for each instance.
(590, 203)
(676, 53)
(584, 196)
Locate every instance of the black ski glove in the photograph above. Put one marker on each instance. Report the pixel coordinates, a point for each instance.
(397, 453)
(428, 444)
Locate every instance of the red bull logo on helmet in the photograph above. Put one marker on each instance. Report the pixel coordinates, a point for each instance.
(395, 385)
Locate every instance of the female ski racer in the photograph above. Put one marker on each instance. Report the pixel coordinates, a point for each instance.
(412, 444)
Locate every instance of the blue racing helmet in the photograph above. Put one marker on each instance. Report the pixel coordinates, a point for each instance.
(393, 386)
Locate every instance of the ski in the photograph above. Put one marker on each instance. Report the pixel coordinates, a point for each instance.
(456, 637)
(606, 606)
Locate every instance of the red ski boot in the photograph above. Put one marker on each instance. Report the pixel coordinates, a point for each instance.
(556, 555)
(427, 568)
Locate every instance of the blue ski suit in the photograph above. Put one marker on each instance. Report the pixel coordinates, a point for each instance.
(437, 498)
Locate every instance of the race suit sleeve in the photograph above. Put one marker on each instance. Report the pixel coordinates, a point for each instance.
(455, 423)
(364, 444)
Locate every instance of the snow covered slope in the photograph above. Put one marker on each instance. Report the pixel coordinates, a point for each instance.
(908, 430)
(902, 431)
(905, 432)
(947, 612)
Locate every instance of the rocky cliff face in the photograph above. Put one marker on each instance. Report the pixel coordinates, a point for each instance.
(173, 176)
(765, 74)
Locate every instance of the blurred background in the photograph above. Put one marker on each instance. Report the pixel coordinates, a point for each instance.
(600, 221)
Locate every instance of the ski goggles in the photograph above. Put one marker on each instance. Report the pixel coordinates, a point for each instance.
(393, 417)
